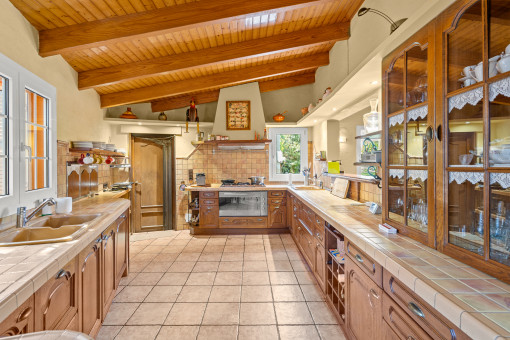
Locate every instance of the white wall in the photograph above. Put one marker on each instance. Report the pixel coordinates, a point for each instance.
(291, 100)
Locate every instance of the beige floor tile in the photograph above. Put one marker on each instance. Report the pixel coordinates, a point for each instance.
(298, 333)
(277, 256)
(217, 333)
(137, 266)
(170, 249)
(206, 257)
(279, 265)
(153, 249)
(181, 267)
(169, 258)
(108, 332)
(127, 279)
(149, 313)
(194, 294)
(173, 279)
(256, 294)
(120, 313)
(146, 279)
(225, 294)
(287, 293)
(133, 294)
(321, 313)
(292, 313)
(178, 333)
(255, 278)
(188, 257)
(228, 279)
(257, 314)
(258, 333)
(255, 257)
(235, 242)
(144, 257)
(157, 267)
(186, 314)
(221, 314)
(230, 266)
(294, 255)
(253, 241)
(180, 242)
(163, 294)
(254, 249)
(331, 332)
(305, 278)
(138, 333)
(202, 267)
(255, 266)
(201, 279)
(232, 256)
(234, 249)
(283, 278)
(312, 293)
(299, 266)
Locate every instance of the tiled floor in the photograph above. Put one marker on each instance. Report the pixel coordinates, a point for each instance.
(236, 287)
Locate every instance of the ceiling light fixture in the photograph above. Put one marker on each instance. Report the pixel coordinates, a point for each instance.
(375, 82)
(315, 120)
(394, 25)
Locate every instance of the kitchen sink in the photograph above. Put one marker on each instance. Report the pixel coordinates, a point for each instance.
(307, 187)
(39, 235)
(65, 220)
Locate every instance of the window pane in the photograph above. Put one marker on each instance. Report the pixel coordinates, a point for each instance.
(416, 76)
(4, 151)
(396, 86)
(36, 141)
(288, 154)
(499, 152)
(396, 140)
(396, 195)
(417, 211)
(500, 218)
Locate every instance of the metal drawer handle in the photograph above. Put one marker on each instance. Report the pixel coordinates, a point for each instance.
(227, 220)
(358, 258)
(277, 207)
(295, 209)
(413, 307)
(24, 314)
(63, 273)
(374, 293)
(298, 228)
(260, 220)
(410, 337)
(318, 236)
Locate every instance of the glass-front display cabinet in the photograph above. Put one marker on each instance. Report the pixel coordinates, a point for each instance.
(408, 125)
(463, 155)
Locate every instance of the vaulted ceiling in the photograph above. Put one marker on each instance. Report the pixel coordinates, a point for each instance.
(164, 51)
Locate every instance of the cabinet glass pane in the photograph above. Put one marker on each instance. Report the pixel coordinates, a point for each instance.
(464, 53)
(500, 217)
(396, 195)
(499, 33)
(499, 154)
(465, 137)
(396, 140)
(396, 86)
(417, 212)
(416, 76)
(465, 210)
(417, 146)
(4, 136)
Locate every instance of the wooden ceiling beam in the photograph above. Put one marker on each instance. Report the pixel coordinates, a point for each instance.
(160, 21)
(228, 78)
(212, 96)
(237, 51)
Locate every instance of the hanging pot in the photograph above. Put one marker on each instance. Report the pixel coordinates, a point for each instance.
(279, 117)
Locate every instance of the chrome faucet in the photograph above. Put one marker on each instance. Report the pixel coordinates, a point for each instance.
(21, 216)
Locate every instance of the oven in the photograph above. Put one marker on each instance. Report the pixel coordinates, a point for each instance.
(243, 203)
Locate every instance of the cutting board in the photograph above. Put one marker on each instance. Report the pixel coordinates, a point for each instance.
(340, 187)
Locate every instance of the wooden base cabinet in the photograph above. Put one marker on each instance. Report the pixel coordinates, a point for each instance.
(121, 246)
(56, 302)
(109, 274)
(363, 304)
(21, 321)
(319, 268)
(90, 288)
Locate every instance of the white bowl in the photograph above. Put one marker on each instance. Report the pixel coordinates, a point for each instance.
(465, 159)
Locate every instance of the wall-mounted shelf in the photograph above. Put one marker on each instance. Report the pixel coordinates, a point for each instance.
(78, 151)
(366, 164)
(236, 144)
(150, 122)
(372, 135)
(354, 178)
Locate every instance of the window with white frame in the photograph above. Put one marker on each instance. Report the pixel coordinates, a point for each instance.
(28, 142)
(288, 153)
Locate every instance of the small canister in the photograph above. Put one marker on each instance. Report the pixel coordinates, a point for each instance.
(200, 178)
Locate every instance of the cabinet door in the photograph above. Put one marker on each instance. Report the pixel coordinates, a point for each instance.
(288, 207)
(90, 288)
(121, 246)
(363, 304)
(21, 321)
(388, 333)
(209, 216)
(109, 273)
(57, 300)
(295, 222)
(277, 216)
(306, 242)
(320, 265)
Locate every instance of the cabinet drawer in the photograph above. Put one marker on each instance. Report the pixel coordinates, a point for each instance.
(430, 320)
(320, 224)
(307, 245)
(400, 322)
(276, 194)
(277, 201)
(243, 222)
(21, 321)
(365, 262)
(209, 201)
(208, 194)
(307, 216)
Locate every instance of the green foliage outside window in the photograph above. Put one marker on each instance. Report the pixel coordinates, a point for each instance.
(290, 146)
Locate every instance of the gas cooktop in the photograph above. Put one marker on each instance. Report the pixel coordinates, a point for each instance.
(241, 184)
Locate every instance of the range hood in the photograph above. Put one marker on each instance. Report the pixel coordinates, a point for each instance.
(231, 145)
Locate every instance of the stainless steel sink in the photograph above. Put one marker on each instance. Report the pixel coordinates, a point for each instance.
(64, 220)
(39, 235)
(307, 187)
(52, 229)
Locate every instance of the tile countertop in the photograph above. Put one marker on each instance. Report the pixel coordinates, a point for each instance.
(476, 302)
(216, 187)
(24, 269)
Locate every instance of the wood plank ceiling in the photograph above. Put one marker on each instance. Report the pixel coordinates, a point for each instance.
(165, 51)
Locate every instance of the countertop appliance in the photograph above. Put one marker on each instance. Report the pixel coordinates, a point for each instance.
(200, 177)
(245, 204)
(241, 184)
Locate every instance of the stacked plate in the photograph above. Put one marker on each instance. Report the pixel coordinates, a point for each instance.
(110, 147)
(99, 145)
(83, 145)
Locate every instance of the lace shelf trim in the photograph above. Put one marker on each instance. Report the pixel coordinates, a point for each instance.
(397, 173)
(418, 174)
(500, 87)
(398, 119)
(472, 97)
(419, 112)
(502, 179)
(461, 177)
